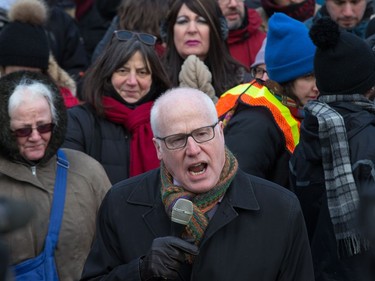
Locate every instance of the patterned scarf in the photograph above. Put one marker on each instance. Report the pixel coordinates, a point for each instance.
(143, 155)
(202, 203)
(342, 194)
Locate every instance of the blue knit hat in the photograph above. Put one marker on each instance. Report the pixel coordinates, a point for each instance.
(289, 50)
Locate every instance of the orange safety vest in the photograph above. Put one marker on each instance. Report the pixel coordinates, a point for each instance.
(255, 94)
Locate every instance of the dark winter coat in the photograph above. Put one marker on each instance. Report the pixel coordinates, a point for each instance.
(258, 144)
(307, 179)
(257, 233)
(106, 141)
(66, 43)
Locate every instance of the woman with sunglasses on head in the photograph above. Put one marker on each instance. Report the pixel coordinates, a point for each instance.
(33, 122)
(113, 125)
(147, 19)
(197, 27)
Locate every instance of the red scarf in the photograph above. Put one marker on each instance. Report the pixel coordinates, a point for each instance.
(137, 121)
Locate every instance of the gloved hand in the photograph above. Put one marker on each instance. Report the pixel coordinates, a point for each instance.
(165, 258)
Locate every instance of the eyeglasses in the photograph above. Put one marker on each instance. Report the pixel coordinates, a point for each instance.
(226, 2)
(25, 132)
(200, 135)
(125, 35)
(257, 72)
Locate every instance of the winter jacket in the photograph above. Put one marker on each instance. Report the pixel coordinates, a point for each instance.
(257, 233)
(307, 179)
(66, 43)
(255, 138)
(86, 186)
(33, 182)
(106, 141)
(245, 42)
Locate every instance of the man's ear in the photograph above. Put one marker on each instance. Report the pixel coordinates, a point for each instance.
(158, 148)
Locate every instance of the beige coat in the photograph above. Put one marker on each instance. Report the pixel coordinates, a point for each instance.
(87, 183)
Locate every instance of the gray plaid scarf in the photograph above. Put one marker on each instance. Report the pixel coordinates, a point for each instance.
(342, 194)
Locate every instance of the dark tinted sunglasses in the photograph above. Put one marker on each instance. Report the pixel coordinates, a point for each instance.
(25, 132)
(125, 35)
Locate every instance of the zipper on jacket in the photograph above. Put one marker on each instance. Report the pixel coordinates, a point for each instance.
(33, 170)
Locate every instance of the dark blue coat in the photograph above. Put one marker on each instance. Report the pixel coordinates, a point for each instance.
(257, 233)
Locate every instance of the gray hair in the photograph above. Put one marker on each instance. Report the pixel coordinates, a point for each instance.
(173, 96)
(35, 89)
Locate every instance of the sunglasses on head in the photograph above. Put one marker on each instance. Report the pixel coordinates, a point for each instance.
(125, 35)
(25, 132)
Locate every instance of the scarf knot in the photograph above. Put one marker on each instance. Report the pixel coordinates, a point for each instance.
(143, 155)
(202, 203)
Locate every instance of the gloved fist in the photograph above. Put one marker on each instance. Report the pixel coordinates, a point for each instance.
(165, 257)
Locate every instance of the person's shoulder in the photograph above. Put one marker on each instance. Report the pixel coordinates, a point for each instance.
(60, 15)
(79, 160)
(141, 189)
(81, 112)
(267, 191)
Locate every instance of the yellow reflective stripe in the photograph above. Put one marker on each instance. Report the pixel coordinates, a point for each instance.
(260, 95)
(282, 116)
(227, 100)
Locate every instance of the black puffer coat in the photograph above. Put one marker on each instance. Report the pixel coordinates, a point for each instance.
(107, 142)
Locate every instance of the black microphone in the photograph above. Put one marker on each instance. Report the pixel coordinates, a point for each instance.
(182, 212)
(13, 214)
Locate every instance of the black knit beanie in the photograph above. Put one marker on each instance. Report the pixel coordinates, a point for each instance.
(344, 64)
(23, 41)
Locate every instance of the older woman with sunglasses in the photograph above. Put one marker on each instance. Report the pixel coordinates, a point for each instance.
(113, 125)
(32, 128)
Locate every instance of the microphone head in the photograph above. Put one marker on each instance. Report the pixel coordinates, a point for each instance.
(182, 211)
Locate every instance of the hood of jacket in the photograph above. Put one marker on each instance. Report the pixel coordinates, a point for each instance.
(251, 24)
(8, 143)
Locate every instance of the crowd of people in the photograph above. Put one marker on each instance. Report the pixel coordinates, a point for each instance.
(258, 115)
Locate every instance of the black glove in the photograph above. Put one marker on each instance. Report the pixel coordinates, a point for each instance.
(165, 258)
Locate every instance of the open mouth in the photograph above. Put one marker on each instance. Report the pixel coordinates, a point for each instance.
(197, 169)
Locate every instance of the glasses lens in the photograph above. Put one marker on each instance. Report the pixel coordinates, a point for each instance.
(147, 39)
(203, 134)
(25, 132)
(123, 35)
(175, 141)
(46, 128)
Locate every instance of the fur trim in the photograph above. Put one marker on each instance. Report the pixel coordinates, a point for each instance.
(8, 143)
(29, 11)
(60, 76)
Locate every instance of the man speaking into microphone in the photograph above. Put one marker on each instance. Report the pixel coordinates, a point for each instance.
(236, 226)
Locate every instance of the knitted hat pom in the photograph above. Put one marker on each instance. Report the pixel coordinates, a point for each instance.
(325, 33)
(31, 12)
(344, 63)
(24, 40)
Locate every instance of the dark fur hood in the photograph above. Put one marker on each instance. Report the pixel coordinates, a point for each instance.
(8, 144)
